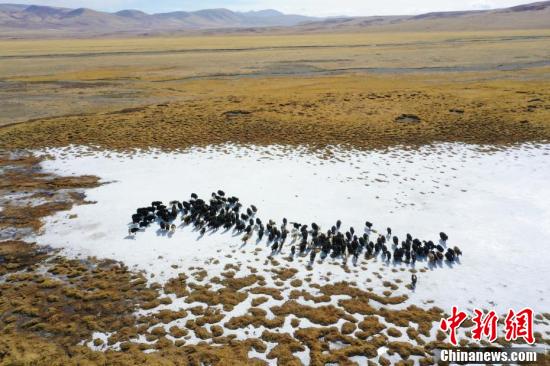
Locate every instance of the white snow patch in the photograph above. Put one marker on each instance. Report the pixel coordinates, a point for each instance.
(494, 206)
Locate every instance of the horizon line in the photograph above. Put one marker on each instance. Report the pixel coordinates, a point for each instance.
(258, 10)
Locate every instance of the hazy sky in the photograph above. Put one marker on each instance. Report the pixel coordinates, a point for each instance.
(307, 7)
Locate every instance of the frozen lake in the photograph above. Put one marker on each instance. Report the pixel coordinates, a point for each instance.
(493, 205)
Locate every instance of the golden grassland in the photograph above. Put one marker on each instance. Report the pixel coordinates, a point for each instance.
(60, 77)
(136, 44)
(358, 110)
(353, 89)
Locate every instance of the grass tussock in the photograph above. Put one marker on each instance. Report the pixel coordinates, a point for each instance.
(324, 315)
(256, 317)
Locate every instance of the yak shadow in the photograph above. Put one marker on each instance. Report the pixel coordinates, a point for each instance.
(161, 232)
(434, 265)
(214, 230)
(130, 237)
(452, 264)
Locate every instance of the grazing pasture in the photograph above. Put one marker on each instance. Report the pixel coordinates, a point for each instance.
(75, 76)
(444, 136)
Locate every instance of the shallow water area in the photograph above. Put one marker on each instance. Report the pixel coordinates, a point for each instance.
(491, 203)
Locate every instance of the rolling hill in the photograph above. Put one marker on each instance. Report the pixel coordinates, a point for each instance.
(21, 21)
(528, 16)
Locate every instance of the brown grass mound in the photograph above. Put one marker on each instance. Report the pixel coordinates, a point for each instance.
(356, 306)
(259, 301)
(296, 283)
(319, 340)
(414, 314)
(345, 288)
(177, 286)
(324, 315)
(273, 292)
(296, 294)
(283, 351)
(348, 328)
(394, 332)
(283, 274)
(405, 349)
(226, 297)
(239, 283)
(166, 316)
(369, 326)
(255, 317)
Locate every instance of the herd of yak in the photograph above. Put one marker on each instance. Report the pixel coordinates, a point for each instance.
(228, 213)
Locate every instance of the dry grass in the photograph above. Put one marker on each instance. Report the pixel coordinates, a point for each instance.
(369, 326)
(60, 193)
(318, 341)
(348, 328)
(135, 72)
(226, 297)
(273, 292)
(358, 110)
(177, 286)
(345, 288)
(424, 318)
(255, 317)
(405, 349)
(79, 299)
(284, 274)
(295, 294)
(342, 85)
(45, 315)
(324, 315)
(259, 301)
(283, 351)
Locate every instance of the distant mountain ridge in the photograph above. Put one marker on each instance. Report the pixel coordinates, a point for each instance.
(31, 21)
(15, 17)
(527, 16)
